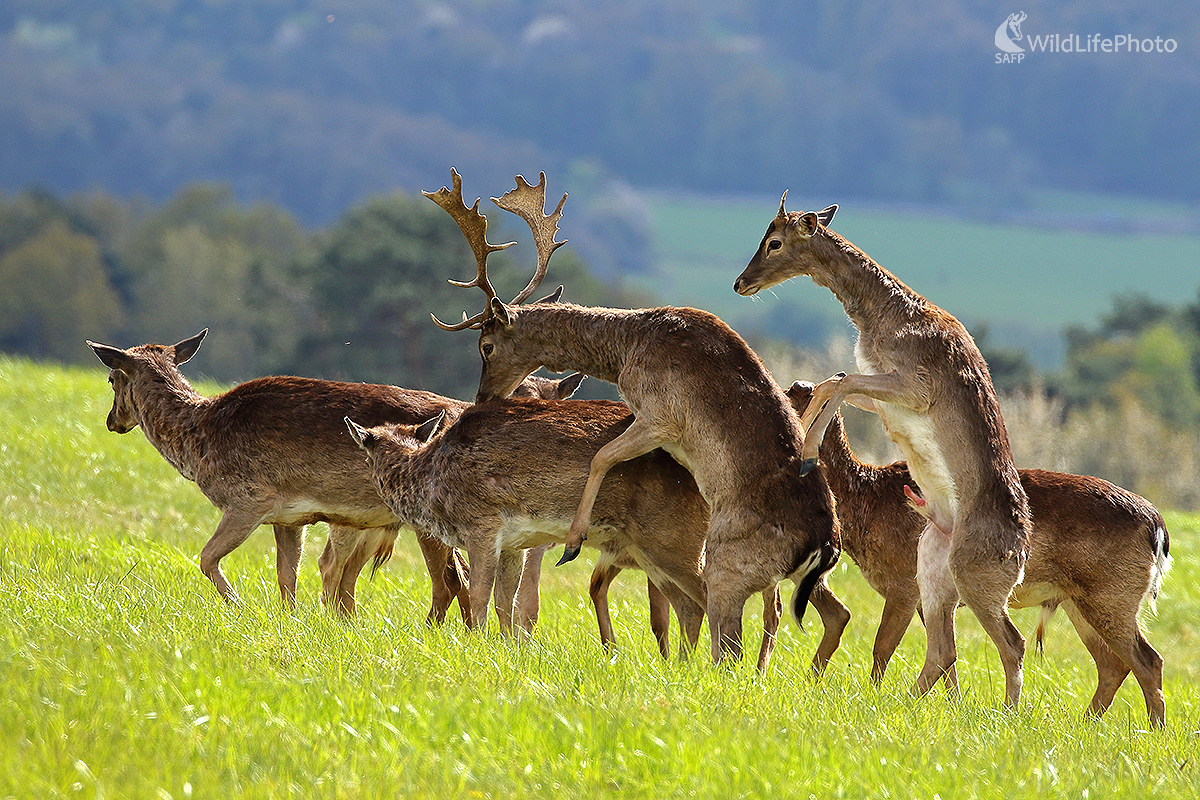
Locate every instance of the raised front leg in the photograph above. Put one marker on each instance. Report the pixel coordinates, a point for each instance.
(889, 387)
(637, 440)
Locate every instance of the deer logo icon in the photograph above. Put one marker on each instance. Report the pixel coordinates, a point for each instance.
(1006, 41)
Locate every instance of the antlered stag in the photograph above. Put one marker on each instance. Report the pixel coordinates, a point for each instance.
(696, 390)
(1095, 549)
(275, 451)
(924, 376)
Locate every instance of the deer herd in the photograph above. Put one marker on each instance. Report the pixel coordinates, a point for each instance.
(710, 477)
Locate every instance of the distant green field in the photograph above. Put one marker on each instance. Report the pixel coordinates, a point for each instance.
(1026, 283)
(123, 675)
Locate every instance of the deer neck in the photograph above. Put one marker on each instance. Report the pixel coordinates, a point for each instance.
(168, 411)
(594, 341)
(866, 290)
(846, 474)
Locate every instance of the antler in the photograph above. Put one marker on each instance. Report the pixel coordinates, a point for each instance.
(529, 203)
(473, 226)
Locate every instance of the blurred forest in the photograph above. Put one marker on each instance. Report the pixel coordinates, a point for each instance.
(351, 301)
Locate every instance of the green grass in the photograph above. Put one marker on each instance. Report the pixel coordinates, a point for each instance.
(124, 676)
(1026, 282)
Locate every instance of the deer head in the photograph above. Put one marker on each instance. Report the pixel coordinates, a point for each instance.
(785, 249)
(498, 322)
(125, 365)
(402, 439)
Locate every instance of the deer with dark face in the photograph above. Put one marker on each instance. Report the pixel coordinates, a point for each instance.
(924, 376)
(275, 451)
(696, 390)
(507, 475)
(1095, 549)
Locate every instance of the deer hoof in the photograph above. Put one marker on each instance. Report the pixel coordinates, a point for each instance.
(569, 554)
(806, 466)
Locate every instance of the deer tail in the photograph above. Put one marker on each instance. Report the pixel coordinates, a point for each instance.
(1160, 542)
(807, 575)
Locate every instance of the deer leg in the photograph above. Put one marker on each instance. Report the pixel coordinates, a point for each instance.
(660, 618)
(529, 599)
(939, 598)
(1121, 636)
(602, 577)
(889, 387)
(235, 527)
(898, 608)
(444, 579)
(772, 613)
(985, 586)
(691, 617)
(834, 619)
(289, 545)
(483, 551)
(510, 564)
(368, 545)
(332, 562)
(637, 440)
(1110, 669)
(689, 613)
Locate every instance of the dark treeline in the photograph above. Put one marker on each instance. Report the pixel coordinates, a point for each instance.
(350, 301)
(317, 106)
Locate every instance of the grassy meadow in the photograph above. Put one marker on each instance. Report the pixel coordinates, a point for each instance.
(125, 676)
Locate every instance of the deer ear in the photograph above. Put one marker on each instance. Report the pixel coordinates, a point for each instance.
(500, 311)
(826, 215)
(113, 357)
(553, 298)
(361, 436)
(427, 430)
(188, 347)
(569, 385)
(807, 224)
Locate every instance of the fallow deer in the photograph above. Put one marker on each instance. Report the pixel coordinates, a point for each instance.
(275, 451)
(696, 390)
(507, 475)
(1095, 549)
(924, 376)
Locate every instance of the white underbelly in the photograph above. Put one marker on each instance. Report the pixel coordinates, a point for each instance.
(524, 531)
(914, 434)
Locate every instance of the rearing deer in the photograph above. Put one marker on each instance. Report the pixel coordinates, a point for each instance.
(696, 390)
(924, 376)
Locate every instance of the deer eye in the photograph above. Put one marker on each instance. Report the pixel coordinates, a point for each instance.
(487, 350)
(774, 244)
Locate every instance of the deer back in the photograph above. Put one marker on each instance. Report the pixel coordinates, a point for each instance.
(524, 462)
